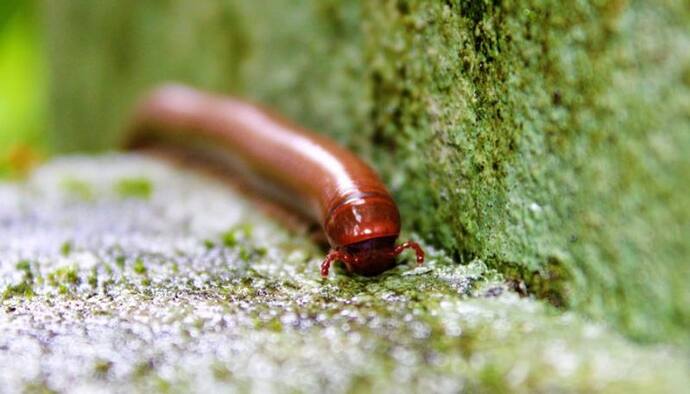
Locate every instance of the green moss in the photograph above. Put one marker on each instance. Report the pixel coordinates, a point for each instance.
(247, 230)
(92, 280)
(134, 188)
(163, 386)
(120, 262)
(550, 283)
(23, 289)
(549, 140)
(142, 370)
(221, 372)
(102, 368)
(139, 267)
(77, 188)
(63, 278)
(38, 388)
(66, 248)
(492, 380)
(24, 266)
(245, 254)
(229, 238)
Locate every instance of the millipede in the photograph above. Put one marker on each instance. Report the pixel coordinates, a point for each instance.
(297, 167)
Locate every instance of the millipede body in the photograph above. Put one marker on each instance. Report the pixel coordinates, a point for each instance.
(299, 168)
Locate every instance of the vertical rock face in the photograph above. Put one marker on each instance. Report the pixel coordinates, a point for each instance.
(550, 141)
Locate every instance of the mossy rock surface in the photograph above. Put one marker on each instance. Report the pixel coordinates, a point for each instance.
(117, 292)
(547, 139)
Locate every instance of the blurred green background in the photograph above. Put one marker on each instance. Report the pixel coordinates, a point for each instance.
(22, 88)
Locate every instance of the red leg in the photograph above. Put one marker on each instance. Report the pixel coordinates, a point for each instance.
(333, 255)
(411, 245)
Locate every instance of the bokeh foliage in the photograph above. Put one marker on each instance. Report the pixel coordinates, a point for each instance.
(22, 84)
(549, 140)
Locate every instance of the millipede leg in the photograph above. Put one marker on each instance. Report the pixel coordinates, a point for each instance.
(332, 256)
(411, 245)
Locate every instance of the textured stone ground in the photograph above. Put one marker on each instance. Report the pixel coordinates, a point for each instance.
(121, 273)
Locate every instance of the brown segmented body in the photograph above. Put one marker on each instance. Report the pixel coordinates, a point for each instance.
(300, 168)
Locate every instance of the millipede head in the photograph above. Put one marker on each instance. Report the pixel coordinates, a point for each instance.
(370, 257)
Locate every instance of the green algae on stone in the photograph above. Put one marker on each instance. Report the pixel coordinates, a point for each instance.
(102, 368)
(229, 238)
(92, 279)
(120, 261)
(25, 266)
(64, 279)
(77, 188)
(24, 288)
(135, 187)
(139, 267)
(38, 388)
(66, 248)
